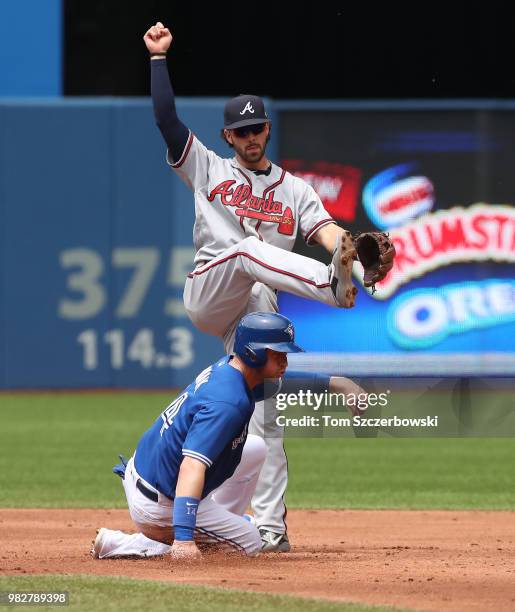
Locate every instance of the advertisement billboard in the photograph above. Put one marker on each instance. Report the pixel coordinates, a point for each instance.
(441, 183)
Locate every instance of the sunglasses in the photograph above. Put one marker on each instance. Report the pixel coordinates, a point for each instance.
(243, 132)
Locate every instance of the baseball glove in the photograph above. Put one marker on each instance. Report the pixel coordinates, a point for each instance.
(376, 253)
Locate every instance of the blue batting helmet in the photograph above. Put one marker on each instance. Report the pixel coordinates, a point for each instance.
(259, 331)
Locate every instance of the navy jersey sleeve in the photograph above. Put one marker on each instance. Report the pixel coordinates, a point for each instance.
(174, 132)
(213, 427)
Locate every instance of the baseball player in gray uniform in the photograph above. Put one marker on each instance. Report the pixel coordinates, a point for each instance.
(248, 214)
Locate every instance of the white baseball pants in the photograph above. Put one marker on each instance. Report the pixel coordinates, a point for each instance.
(220, 518)
(243, 279)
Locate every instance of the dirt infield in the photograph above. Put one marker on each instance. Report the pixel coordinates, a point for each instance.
(426, 560)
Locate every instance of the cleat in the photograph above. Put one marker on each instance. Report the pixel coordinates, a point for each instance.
(274, 542)
(98, 543)
(341, 282)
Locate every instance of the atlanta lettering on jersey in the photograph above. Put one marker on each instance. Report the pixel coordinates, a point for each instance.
(241, 196)
(248, 205)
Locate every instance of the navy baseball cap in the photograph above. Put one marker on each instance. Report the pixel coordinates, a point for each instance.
(244, 110)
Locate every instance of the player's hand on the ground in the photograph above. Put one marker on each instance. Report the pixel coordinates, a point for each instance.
(158, 38)
(185, 551)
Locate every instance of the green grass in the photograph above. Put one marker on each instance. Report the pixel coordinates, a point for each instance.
(95, 593)
(57, 450)
(475, 473)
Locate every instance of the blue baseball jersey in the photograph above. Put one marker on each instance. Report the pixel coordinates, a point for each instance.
(208, 422)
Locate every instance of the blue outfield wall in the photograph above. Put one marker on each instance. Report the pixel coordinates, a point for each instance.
(96, 242)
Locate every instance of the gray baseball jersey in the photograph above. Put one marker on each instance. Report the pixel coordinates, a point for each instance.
(231, 203)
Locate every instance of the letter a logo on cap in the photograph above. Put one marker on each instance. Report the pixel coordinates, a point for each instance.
(248, 107)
